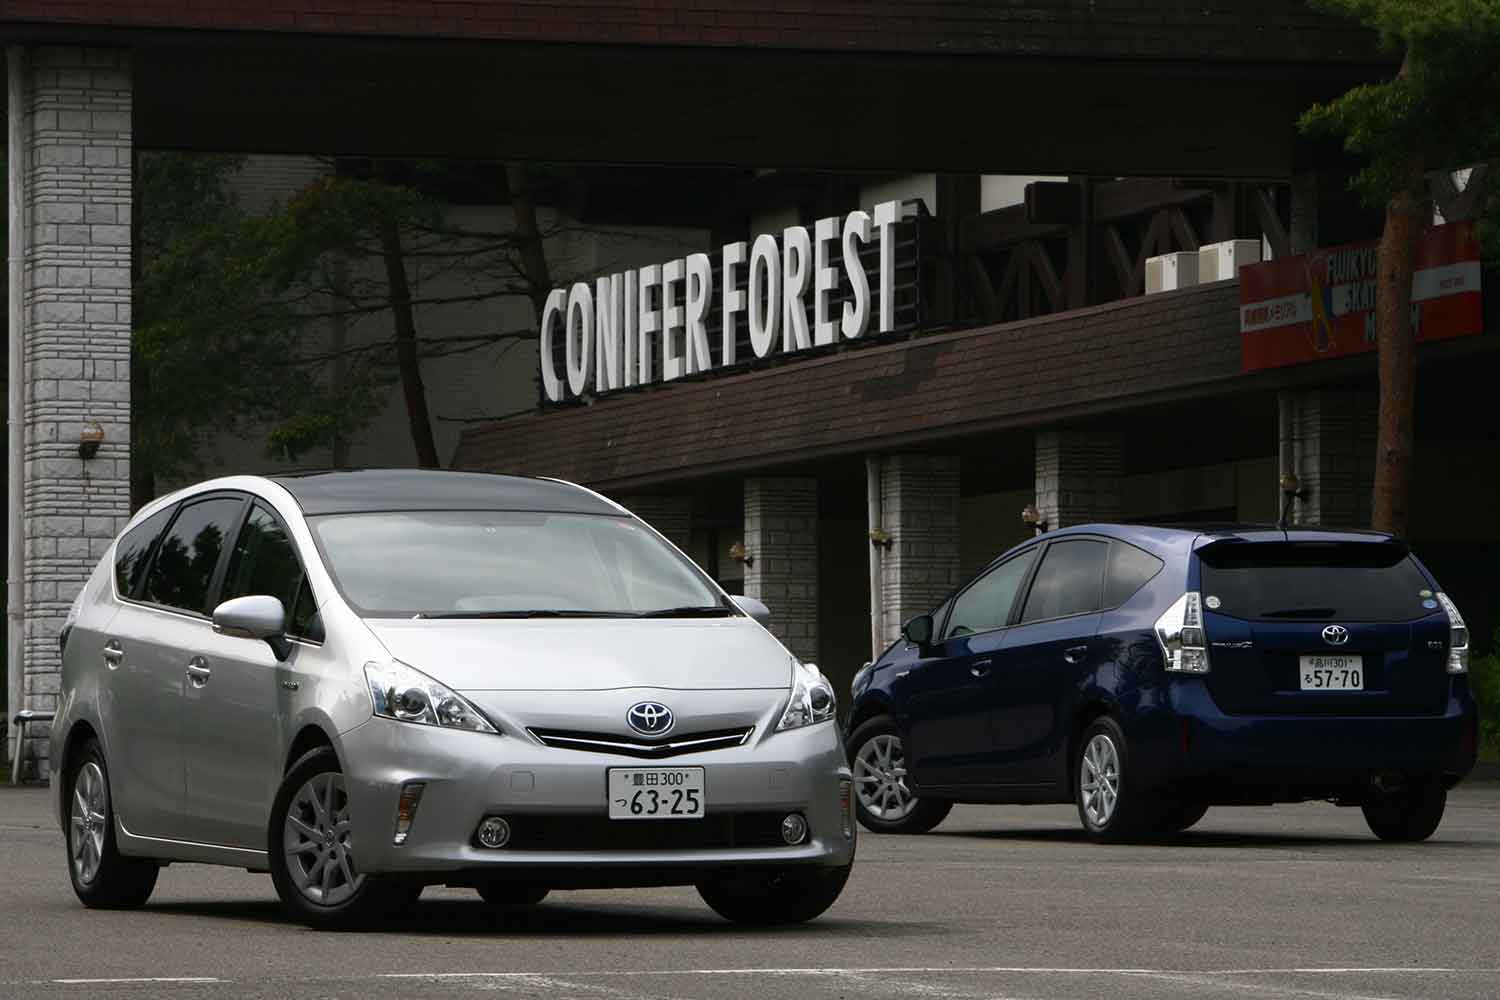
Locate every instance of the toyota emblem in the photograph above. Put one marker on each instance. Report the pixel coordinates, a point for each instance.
(1335, 635)
(649, 718)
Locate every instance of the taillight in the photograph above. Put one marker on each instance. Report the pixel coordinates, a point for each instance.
(1458, 637)
(1180, 632)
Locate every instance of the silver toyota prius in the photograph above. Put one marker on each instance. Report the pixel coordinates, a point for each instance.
(368, 682)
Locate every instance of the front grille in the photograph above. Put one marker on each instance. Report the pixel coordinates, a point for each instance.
(626, 746)
(600, 833)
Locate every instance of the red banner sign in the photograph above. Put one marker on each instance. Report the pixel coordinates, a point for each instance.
(1322, 304)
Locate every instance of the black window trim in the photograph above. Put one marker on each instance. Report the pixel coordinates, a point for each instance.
(1031, 580)
(216, 578)
(947, 607)
(244, 519)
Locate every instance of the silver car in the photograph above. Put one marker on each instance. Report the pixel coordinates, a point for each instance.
(368, 682)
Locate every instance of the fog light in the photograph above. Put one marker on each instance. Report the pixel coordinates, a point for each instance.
(406, 809)
(793, 829)
(494, 832)
(846, 808)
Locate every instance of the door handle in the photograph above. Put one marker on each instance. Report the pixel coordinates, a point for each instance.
(198, 671)
(981, 668)
(1075, 654)
(114, 653)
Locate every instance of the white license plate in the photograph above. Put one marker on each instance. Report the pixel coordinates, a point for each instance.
(656, 793)
(1332, 673)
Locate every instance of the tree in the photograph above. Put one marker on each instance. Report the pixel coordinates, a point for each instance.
(1441, 111)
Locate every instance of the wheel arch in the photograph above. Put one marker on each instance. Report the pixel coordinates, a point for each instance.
(310, 736)
(79, 733)
(870, 705)
(1095, 706)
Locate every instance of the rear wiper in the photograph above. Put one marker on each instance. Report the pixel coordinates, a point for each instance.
(532, 613)
(1300, 613)
(689, 611)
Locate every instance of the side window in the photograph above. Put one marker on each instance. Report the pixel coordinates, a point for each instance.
(987, 602)
(133, 552)
(183, 569)
(264, 561)
(1130, 569)
(1068, 581)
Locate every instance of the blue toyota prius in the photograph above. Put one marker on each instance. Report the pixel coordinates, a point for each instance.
(1148, 673)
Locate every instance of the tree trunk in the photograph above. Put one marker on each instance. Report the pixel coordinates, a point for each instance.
(407, 361)
(1395, 339)
(529, 238)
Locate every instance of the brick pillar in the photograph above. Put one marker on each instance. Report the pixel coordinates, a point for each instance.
(781, 539)
(77, 323)
(1078, 476)
(1330, 444)
(919, 510)
(672, 516)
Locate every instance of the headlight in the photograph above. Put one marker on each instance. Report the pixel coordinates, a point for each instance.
(812, 698)
(408, 695)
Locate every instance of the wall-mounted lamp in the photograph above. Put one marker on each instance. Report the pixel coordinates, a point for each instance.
(89, 440)
(1291, 491)
(1033, 518)
(738, 554)
(882, 538)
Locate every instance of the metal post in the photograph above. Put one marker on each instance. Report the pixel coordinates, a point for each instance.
(15, 618)
(877, 570)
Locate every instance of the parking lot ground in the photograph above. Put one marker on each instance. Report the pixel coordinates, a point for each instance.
(999, 902)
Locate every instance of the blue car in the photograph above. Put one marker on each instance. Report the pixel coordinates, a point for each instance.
(1147, 673)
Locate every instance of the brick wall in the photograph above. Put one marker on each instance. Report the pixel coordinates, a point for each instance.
(919, 508)
(77, 318)
(1079, 477)
(781, 538)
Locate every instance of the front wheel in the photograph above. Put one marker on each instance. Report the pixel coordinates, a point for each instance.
(883, 801)
(1408, 814)
(102, 877)
(791, 896)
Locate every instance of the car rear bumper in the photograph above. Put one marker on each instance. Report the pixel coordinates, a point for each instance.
(1255, 758)
(555, 801)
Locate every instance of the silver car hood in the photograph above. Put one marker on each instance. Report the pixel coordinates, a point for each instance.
(589, 654)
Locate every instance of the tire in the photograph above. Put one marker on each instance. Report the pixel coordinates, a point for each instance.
(297, 861)
(1177, 815)
(788, 896)
(502, 893)
(102, 877)
(882, 801)
(1110, 805)
(1409, 814)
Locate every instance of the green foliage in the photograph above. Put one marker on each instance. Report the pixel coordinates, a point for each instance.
(1484, 681)
(1441, 111)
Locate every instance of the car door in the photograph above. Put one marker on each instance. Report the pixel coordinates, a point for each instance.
(1053, 641)
(232, 722)
(154, 634)
(948, 696)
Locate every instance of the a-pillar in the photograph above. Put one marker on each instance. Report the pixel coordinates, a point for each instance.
(76, 321)
(781, 549)
(670, 515)
(1328, 440)
(1078, 477)
(919, 516)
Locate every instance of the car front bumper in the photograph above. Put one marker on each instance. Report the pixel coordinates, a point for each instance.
(468, 776)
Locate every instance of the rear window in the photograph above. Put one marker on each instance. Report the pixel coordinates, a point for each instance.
(1291, 581)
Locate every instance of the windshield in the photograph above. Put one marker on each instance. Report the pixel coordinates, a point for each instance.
(481, 564)
(1315, 581)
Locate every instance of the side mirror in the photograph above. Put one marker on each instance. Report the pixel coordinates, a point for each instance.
(918, 630)
(755, 609)
(255, 617)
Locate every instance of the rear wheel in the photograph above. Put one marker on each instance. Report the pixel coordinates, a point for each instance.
(1408, 814)
(883, 801)
(1111, 807)
(102, 877)
(500, 893)
(790, 896)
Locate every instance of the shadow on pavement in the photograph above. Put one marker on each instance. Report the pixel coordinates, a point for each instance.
(1208, 838)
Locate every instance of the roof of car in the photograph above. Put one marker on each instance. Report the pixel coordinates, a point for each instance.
(1224, 531)
(434, 489)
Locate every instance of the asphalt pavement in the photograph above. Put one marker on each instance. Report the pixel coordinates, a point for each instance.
(999, 902)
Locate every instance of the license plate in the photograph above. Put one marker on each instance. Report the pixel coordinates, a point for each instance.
(656, 793)
(1332, 673)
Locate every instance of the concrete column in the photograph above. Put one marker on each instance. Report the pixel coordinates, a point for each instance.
(1078, 476)
(672, 516)
(781, 541)
(77, 321)
(1329, 442)
(919, 511)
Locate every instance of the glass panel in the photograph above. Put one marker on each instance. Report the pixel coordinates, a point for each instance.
(1129, 570)
(1068, 581)
(133, 552)
(264, 561)
(185, 561)
(987, 602)
(1288, 581)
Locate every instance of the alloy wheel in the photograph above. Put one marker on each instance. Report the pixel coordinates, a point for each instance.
(1099, 779)
(86, 822)
(316, 839)
(880, 778)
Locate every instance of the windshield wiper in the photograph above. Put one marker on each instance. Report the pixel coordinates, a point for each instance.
(531, 613)
(689, 611)
(1300, 613)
